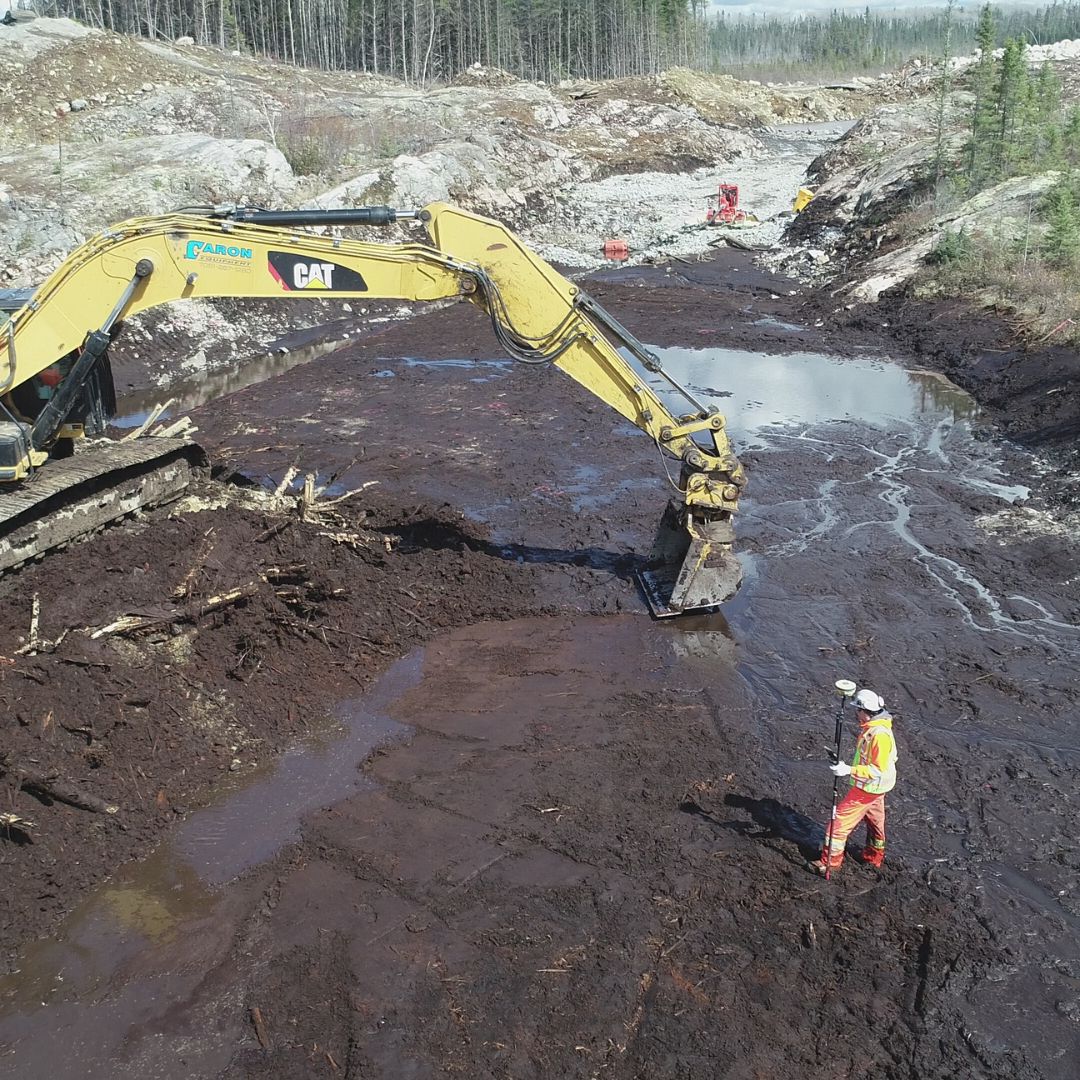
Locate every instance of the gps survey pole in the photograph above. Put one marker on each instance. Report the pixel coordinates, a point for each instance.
(845, 688)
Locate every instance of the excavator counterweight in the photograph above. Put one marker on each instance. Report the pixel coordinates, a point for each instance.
(56, 385)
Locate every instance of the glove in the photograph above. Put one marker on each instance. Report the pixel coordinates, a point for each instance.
(841, 768)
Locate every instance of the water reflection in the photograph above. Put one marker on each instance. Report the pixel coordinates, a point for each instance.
(196, 390)
(705, 637)
(758, 391)
(146, 904)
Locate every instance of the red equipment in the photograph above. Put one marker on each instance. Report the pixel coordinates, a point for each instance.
(724, 207)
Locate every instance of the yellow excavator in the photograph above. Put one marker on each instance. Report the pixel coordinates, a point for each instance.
(56, 384)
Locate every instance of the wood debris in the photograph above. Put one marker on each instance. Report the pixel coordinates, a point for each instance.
(52, 786)
(260, 1027)
(13, 821)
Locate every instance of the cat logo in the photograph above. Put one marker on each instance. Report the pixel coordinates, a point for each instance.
(294, 273)
(318, 275)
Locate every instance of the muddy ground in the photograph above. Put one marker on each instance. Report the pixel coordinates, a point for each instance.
(564, 840)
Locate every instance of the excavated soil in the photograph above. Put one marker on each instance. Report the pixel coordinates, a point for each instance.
(517, 827)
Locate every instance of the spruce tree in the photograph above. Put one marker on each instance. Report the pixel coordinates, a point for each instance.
(944, 87)
(1010, 102)
(980, 148)
(1061, 212)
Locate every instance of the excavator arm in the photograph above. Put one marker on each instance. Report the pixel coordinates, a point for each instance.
(537, 315)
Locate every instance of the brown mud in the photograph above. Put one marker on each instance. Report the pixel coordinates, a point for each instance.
(516, 827)
(1032, 390)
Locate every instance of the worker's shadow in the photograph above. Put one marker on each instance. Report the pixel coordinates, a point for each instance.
(770, 820)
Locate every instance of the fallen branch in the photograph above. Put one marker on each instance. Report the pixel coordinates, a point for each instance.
(183, 426)
(183, 590)
(32, 640)
(267, 534)
(358, 541)
(35, 642)
(260, 1028)
(281, 573)
(1051, 333)
(53, 787)
(126, 624)
(35, 616)
(290, 475)
(152, 419)
(409, 611)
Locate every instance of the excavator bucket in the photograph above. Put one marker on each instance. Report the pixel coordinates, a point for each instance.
(692, 566)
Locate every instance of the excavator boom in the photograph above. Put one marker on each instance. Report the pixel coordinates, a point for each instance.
(537, 315)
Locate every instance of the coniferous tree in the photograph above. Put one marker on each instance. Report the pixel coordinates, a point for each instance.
(980, 147)
(1047, 119)
(1061, 212)
(1011, 103)
(424, 40)
(944, 87)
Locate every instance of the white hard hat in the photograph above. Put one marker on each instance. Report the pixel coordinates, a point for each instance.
(868, 700)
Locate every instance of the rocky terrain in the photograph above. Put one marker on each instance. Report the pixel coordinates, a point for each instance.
(95, 128)
(878, 211)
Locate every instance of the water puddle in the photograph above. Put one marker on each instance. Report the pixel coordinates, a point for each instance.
(778, 324)
(149, 934)
(223, 841)
(128, 986)
(189, 393)
(489, 369)
(910, 430)
(758, 391)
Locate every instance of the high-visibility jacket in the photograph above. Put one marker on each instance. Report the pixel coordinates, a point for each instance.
(874, 767)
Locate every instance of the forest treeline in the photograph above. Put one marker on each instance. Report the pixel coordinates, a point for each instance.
(428, 41)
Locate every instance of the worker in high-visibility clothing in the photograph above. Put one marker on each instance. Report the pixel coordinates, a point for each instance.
(873, 775)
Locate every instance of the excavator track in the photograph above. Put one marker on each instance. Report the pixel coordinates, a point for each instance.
(78, 495)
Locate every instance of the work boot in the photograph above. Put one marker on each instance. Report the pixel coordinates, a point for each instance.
(817, 867)
(872, 857)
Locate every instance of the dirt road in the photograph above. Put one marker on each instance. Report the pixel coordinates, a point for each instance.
(545, 835)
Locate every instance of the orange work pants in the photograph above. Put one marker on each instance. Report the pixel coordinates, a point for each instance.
(853, 808)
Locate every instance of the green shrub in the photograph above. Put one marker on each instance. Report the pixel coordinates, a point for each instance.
(953, 247)
(314, 144)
